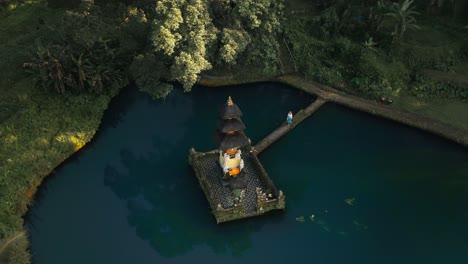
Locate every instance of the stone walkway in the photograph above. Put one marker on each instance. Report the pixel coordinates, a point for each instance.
(329, 94)
(221, 191)
(285, 128)
(427, 124)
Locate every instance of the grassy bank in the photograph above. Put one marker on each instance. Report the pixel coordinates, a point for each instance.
(38, 129)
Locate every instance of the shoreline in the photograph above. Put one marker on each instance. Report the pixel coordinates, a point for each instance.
(321, 91)
(330, 94)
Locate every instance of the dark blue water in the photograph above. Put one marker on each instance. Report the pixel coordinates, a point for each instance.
(131, 197)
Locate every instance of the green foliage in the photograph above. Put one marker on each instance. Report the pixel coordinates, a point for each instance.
(183, 32)
(424, 88)
(66, 69)
(388, 75)
(233, 43)
(263, 53)
(82, 60)
(262, 20)
(376, 15)
(314, 56)
(134, 31)
(370, 68)
(195, 35)
(265, 14)
(370, 43)
(402, 14)
(6, 3)
(324, 26)
(148, 71)
(333, 61)
(36, 140)
(418, 58)
(38, 130)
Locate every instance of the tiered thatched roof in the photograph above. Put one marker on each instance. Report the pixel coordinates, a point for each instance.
(230, 110)
(230, 127)
(236, 140)
(232, 124)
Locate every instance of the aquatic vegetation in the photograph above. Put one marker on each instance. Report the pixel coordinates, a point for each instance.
(300, 219)
(359, 226)
(324, 225)
(350, 201)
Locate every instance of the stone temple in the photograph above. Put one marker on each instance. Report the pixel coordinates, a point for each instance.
(234, 181)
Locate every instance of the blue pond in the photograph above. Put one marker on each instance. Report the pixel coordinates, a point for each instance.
(380, 192)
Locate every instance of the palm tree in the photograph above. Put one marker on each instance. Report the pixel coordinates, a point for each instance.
(403, 16)
(376, 15)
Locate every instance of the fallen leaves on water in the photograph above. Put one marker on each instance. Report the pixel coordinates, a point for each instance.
(350, 201)
(300, 219)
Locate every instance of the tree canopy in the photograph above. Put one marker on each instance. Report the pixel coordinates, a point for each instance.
(180, 39)
(195, 35)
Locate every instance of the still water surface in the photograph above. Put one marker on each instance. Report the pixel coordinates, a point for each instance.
(379, 192)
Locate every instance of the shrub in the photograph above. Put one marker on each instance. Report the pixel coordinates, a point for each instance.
(85, 59)
(134, 31)
(63, 69)
(418, 58)
(328, 75)
(366, 86)
(423, 87)
(376, 67)
(147, 72)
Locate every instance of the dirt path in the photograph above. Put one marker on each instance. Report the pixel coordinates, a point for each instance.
(6, 243)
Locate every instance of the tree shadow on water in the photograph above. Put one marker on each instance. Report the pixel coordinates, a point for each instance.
(168, 208)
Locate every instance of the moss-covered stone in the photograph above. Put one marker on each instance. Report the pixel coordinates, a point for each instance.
(256, 196)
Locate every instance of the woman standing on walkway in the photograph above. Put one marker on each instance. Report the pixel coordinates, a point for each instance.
(289, 118)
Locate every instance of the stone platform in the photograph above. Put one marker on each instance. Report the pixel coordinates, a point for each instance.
(249, 194)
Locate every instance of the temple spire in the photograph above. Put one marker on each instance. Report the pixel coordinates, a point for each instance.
(229, 101)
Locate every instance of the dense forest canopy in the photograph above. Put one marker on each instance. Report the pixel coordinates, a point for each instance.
(180, 39)
(103, 43)
(194, 35)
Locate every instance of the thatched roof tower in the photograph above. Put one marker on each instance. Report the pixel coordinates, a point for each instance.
(230, 128)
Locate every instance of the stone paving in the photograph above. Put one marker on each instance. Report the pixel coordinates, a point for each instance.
(285, 128)
(222, 190)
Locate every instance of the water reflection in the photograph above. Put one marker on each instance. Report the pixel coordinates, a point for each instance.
(164, 201)
(379, 192)
(168, 209)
